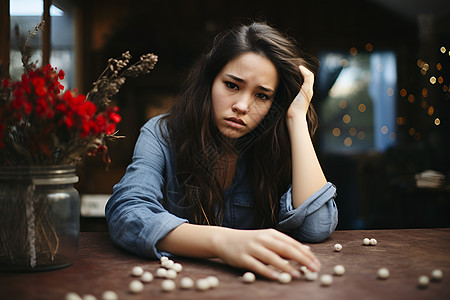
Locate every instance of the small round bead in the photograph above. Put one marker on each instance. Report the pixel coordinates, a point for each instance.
(171, 274)
(161, 272)
(337, 247)
(136, 286)
(89, 297)
(163, 258)
(383, 273)
(202, 284)
(304, 269)
(366, 241)
(147, 277)
(373, 242)
(311, 276)
(167, 263)
(72, 296)
(213, 281)
(110, 295)
(177, 267)
(326, 280)
(436, 275)
(248, 277)
(339, 270)
(423, 281)
(186, 283)
(285, 277)
(137, 271)
(168, 285)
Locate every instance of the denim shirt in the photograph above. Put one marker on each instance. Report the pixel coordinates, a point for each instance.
(143, 207)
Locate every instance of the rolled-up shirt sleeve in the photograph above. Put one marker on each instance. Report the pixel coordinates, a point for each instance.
(136, 218)
(314, 220)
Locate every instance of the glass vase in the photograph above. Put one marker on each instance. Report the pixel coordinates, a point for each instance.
(39, 217)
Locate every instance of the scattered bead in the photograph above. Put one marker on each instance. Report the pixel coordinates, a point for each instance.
(186, 283)
(89, 297)
(285, 277)
(383, 273)
(304, 269)
(136, 286)
(163, 258)
(436, 275)
(168, 285)
(168, 264)
(177, 267)
(337, 247)
(171, 274)
(248, 277)
(326, 280)
(213, 281)
(147, 277)
(423, 281)
(161, 272)
(110, 295)
(373, 242)
(366, 241)
(72, 296)
(202, 284)
(311, 276)
(137, 271)
(339, 270)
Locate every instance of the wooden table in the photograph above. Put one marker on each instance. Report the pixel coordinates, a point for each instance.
(406, 253)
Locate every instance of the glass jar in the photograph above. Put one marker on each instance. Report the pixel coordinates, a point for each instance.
(39, 217)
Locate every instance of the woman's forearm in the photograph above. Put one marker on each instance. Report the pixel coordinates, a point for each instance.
(191, 240)
(307, 174)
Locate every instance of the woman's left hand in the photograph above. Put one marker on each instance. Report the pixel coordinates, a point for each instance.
(299, 106)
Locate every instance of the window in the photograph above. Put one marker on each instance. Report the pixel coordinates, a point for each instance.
(27, 14)
(358, 112)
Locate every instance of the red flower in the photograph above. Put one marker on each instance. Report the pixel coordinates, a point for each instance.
(116, 118)
(110, 128)
(61, 74)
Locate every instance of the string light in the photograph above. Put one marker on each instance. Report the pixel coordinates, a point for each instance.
(342, 104)
(432, 80)
(437, 122)
(443, 50)
(348, 141)
(362, 107)
(361, 135)
(346, 119)
(353, 51)
(369, 47)
(336, 132)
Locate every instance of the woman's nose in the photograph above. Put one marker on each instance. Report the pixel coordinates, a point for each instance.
(242, 106)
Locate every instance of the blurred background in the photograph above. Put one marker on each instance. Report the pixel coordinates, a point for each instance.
(382, 90)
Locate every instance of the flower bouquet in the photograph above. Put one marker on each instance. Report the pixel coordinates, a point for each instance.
(44, 131)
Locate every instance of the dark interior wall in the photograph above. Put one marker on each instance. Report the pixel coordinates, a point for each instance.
(178, 31)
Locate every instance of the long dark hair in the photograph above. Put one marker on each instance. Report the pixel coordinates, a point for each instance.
(199, 145)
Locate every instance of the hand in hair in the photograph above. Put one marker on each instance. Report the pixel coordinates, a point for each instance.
(300, 104)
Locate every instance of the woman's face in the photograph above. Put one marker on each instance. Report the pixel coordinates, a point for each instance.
(242, 94)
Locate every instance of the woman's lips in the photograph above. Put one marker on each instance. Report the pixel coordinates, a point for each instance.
(235, 122)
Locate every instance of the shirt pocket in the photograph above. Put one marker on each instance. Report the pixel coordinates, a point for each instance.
(243, 210)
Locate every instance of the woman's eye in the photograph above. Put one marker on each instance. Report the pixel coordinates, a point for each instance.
(231, 85)
(262, 96)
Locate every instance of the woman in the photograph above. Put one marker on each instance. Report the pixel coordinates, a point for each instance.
(231, 172)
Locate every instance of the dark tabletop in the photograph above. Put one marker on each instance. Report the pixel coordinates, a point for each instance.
(406, 253)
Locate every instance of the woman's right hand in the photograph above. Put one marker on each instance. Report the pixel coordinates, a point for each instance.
(264, 251)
